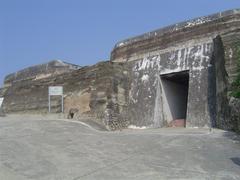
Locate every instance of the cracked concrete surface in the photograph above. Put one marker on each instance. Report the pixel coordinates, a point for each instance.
(32, 148)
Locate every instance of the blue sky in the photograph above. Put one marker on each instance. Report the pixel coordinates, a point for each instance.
(84, 32)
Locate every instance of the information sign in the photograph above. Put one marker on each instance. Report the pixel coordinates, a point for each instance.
(54, 91)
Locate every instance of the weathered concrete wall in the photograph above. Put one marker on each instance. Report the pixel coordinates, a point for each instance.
(144, 79)
(41, 71)
(169, 37)
(222, 109)
(88, 91)
(188, 46)
(231, 45)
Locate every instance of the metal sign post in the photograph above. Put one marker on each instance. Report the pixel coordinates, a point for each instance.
(1, 101)
(55, 91)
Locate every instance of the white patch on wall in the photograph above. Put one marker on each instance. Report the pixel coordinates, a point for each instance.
(197, 22)
(145, 78)
(132, 98)
(136, 73)
(180, 57)
(199, 56)
(121, 44)
(172, 56)
(136, 127)
(230, 52)
(146, 63)
(175, 28)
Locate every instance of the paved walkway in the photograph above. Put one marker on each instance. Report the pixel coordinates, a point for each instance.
(62, 150)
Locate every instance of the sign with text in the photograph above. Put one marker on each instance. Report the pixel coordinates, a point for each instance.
(1, 101)
(55, 90)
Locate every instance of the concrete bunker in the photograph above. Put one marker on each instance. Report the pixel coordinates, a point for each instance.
(128, 89)
(175, 97)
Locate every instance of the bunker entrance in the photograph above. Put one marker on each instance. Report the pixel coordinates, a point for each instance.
(175, 87)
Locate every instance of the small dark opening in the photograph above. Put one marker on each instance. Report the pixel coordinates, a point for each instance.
(71, 115)
(176, 91)
(72, 112)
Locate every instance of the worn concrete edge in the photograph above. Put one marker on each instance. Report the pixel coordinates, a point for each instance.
(162, 131)
(177, 26)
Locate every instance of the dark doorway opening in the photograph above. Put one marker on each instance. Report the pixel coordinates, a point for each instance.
(72, 112)
(176, 86)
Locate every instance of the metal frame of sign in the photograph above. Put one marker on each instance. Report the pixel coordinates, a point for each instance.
(55, 91)
(1, 101)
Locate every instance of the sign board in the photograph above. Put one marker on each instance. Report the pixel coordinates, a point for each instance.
(1, 101)
(55, 90)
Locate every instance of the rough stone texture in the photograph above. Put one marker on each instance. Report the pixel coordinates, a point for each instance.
(169, 37)
(235, 111)
(144, 82)
(205, 48)
(196, 59)
(42, 71)
(222, 108)
(231, 42)
(88, 92)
